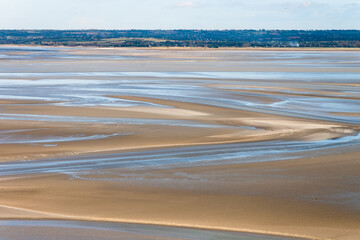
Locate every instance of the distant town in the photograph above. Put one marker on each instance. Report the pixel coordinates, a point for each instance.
(184, 38)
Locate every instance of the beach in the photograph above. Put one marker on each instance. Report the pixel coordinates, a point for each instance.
(228, 141)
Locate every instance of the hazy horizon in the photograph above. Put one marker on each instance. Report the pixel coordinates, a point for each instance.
(180, 14)
(172, 29)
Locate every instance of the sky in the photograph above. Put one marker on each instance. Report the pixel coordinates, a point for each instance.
(180, 14)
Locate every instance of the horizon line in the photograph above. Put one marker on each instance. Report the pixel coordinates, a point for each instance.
(172, 29)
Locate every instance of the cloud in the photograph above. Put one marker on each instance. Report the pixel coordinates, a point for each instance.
(186, 4)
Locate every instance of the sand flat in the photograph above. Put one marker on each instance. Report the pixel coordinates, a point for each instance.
(262, 142)
(107, 230)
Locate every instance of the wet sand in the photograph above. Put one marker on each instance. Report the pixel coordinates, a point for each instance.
(263, 142)
(91, 230)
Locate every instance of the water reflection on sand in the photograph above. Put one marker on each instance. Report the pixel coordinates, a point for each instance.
(118, 128)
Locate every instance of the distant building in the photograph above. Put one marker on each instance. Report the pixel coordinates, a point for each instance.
(294, 44)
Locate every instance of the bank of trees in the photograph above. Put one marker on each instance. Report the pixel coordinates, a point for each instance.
(184, 38)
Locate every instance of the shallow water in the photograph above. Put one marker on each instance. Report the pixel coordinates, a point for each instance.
(185, 156)
(76, 230)
(194, 87)
(328, 96)
(309, 86)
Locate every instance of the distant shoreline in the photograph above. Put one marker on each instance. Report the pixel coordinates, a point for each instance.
(207, 39)
(197, 48)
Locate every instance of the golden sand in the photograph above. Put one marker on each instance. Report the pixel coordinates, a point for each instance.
(314, 195)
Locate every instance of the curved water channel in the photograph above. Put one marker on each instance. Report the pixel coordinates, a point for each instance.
(40, 89)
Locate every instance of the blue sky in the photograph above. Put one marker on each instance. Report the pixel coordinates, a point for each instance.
(180, 14)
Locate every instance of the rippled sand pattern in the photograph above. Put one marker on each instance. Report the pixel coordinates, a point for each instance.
(265, 142)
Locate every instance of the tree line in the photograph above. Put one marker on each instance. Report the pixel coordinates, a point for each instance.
(184, 38)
